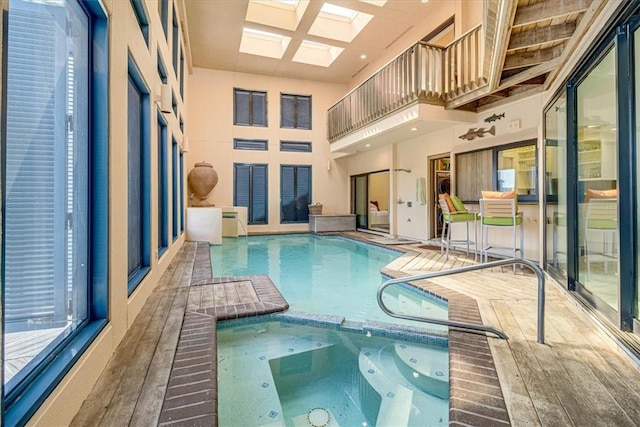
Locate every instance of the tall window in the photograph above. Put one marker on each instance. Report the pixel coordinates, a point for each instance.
(176, 38)
(250, 190)
(138, 254)
(249, 107)
(143, 19)
(163, 226)
(55, 197)
(295, 111)
(295, 193)
(182, 74)
(164, 15)
(174, 187)
(180, 194)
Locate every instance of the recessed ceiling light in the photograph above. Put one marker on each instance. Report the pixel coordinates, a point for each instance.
(363, 56)
(367, 145)
(424, 1)
(414, 129)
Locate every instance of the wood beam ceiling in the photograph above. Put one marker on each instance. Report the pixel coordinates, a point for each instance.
(537, 36)
(529, 59)
(548, 9)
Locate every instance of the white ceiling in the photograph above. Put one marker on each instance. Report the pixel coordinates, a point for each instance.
(215, 31)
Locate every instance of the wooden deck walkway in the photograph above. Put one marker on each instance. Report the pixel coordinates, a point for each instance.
(580, 377)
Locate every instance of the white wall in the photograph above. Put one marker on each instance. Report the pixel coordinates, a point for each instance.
(212, 132)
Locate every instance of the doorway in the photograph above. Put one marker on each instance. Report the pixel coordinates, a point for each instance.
(370, 200)
(440, 171)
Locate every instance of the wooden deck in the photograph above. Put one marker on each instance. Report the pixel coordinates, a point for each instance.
(579, 377)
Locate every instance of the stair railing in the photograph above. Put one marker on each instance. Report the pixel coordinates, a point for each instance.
(462, 325)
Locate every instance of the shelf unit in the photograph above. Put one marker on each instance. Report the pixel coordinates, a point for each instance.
(526, 170)
(589, 160)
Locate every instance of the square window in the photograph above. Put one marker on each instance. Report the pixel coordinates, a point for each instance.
(249, 107)
(295, 111)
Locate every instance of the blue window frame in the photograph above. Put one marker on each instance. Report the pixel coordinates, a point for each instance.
(295, 111)
(174, 187)
(250, 189)
(174, 103)
(180, 193)
(162, 70)
(295, 146)
(249, 107)
(138, 179)
(176, 41)
(164, 16)
(250, 144)
(54, 252)
(182, 73)
(295, 193)
(142, 17)
(163, 209)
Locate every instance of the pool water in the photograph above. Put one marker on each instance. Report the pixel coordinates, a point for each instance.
(325, 275)
(280, 374)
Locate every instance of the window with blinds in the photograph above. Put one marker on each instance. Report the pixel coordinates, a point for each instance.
(249, 107)
(250, 190)
(295, 193)
(163, 5)
(295, 146)
(250, 144)
(295, 111)
(175, 180)
(180, 195)
(176, 40)
(163, 226)
(55, 194)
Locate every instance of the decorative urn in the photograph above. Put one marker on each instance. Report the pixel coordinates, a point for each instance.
(202, 179)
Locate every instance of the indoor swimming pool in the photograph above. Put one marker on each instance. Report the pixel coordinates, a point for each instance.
(334, 358)
(329, 275)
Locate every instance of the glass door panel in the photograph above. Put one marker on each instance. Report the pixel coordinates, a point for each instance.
(556, 186)
(598, 233)
(636, 40)
(360, 204)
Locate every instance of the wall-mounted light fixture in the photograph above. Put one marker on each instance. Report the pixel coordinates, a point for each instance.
(163, 98)
(402, 170)
(185, 144)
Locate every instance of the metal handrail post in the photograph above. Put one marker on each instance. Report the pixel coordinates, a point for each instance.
(500, 263)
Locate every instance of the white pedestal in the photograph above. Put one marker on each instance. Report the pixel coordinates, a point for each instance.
(234, 221)
(204, 225)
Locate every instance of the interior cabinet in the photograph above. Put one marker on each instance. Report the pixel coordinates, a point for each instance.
(596, 155)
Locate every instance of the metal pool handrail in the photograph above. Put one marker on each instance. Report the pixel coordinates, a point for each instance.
(471, 326)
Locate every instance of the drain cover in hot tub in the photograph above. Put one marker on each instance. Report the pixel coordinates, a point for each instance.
(318, 417)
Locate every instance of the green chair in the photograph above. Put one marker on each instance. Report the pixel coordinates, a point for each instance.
(501, 214)
(460, 216)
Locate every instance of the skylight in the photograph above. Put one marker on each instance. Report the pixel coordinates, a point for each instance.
(314, 53)
(378, 3)
(332, 11)
(284, 14)
(339, 23)
(284, 4)
(263, 43)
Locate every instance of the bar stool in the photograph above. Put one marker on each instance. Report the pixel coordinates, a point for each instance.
(450, 217)
(501, 214)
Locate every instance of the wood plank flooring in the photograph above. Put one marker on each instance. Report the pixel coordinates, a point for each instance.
(579, 377)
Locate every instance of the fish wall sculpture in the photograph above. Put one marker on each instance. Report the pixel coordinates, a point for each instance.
(494, 118)
(474, 133)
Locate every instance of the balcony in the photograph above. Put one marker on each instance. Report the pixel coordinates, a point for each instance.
(421, 74)
(517, 51)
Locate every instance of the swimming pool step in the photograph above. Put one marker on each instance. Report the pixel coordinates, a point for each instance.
(402, 403)
(426, 367)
